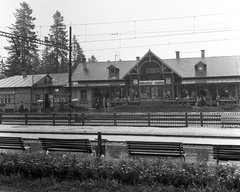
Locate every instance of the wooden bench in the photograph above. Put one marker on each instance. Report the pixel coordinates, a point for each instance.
(226, 152)
(144, 148)
(15, 143)
(69, 145)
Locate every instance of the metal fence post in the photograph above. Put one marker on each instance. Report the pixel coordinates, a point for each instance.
(115, 121)
(186, 119)
(26, 118)
(53, 118)
(148, 119)
(99, 144)
(201, 119)
(83, 122)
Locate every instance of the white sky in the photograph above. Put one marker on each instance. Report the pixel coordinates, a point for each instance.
(124, 29)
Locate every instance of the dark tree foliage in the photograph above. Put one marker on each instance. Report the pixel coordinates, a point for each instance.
(23, 54)
(54, 59)
(92, 59)
(77, 53)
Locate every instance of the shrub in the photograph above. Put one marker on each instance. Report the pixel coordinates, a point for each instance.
(229, 107)
(133, 172)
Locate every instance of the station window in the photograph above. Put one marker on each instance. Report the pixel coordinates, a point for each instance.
(83, 95)
(36, 98)
(8, 98)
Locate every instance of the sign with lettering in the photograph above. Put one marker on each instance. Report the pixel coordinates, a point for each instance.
(145, 82)
(158, 82)
(154, 82)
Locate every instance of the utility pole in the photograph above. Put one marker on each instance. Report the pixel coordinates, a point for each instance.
(70, 74)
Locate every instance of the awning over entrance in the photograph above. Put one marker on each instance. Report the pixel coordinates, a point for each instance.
(96, 84)
(210, 81)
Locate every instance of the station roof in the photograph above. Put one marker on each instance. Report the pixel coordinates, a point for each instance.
(222, 66)
(96, 71)
(59, 79)
(20, 81)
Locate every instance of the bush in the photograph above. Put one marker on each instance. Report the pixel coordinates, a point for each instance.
(156, 107)
(230, 107)
(133, 172)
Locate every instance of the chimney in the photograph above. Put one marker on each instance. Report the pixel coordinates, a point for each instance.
(84, 64)
(24, 73)
(137, 58)
(177, 54)
(203, 53)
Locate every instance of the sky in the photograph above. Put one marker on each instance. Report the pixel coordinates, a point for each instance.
(126, 29)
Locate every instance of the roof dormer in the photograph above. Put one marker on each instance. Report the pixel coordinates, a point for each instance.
(200, 69)
(113, 72)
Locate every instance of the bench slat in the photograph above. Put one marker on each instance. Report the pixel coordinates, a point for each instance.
(226, 152)
(15, 143)
(144, 148)
(70, 145)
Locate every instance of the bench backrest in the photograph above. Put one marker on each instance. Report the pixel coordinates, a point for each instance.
(70, 145)
(226, 152)
(12, 143)
(143, 148)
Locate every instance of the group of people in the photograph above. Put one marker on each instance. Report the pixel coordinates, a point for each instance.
(102, 103)
(201, 101)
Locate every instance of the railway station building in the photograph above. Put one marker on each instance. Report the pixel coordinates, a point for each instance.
(178, 81)
(147, 79)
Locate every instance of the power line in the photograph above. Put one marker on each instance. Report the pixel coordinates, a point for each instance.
(144, 20)
(165, 35)
(155, 30)
(155, 19)
(163, 44)
(24, 38)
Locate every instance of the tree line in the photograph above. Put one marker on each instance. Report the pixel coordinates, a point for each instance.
(26, 55)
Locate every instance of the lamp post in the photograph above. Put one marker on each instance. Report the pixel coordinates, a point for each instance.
(70, 73)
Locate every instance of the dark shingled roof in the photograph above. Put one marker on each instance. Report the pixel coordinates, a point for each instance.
(224, 66)
(216, 67)
(99, 70)
(59, 79)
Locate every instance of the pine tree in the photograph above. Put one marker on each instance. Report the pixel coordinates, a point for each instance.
(23, 54)
(2, 66)
(55, 58)
(77, 53)
(92, 59)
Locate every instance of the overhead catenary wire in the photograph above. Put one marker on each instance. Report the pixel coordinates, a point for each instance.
(163, 30)
(163, 44)
(143, 20)
(154, 19)
(165, 35)
(145, 34)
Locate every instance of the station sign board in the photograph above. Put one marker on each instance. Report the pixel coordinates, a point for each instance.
(154, 82)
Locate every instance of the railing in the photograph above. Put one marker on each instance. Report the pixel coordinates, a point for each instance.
(158, 119)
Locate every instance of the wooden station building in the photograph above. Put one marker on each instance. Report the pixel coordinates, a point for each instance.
(173, 81)
(177, 81)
